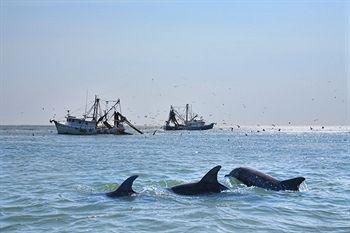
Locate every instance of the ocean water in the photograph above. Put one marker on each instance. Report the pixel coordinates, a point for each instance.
(55, 183)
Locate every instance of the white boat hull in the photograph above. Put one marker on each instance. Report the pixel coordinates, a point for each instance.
(67, 129)
(83, 130)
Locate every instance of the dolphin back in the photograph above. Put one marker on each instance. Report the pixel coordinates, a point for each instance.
(292, 184)
(208, 184)
(125, 189)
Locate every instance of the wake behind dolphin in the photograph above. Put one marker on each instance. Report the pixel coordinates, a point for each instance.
(251, 177)
(125, 189)
(208, 184)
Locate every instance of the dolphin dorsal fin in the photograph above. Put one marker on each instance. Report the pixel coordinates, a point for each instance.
(292, 184)
(125, 188)
(211, 176)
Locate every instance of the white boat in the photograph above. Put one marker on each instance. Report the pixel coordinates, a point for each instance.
(96, 123)
(187, 122)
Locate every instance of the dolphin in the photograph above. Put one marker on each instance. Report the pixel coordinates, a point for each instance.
(251, 177)
(125, 189)
(208, 184)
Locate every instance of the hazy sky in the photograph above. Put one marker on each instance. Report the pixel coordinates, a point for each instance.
(246, 62)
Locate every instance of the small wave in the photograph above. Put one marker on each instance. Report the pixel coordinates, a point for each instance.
(85, 189)
(303, 187)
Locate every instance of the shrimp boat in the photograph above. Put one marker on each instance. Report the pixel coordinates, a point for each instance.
(95, 121)
(177, 121)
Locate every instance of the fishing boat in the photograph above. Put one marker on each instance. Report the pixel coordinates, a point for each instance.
(188, 121)
(95, 121)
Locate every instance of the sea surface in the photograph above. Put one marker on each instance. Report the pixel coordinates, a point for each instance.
(56, 183)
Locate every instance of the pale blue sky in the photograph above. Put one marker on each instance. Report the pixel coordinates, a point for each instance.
(246, 62)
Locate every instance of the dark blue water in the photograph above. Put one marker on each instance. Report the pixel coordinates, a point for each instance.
(53, 183)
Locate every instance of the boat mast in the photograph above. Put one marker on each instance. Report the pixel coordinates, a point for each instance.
(186, 113)
(94, 116)
(86, 99)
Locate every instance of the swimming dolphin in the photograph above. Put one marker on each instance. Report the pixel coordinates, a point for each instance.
(208, 184)
(251, 177)
(125, 189)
